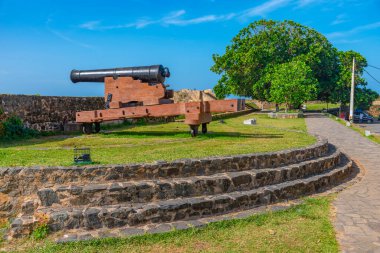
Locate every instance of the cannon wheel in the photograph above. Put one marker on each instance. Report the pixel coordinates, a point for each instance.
(204, 128)
(87, 128)
(97, 127)
(194, 130)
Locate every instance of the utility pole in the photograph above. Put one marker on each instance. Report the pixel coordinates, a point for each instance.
(352, 91)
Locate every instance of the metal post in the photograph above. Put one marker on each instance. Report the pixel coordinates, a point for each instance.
(352, 91)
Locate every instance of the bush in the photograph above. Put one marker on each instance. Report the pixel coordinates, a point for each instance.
(40, 232)
(2, 118)
(2, 130)
(11, 127)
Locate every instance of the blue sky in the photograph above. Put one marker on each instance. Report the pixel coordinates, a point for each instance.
(41, 41)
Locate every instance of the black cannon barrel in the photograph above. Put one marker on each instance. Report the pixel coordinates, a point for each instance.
(154, 73)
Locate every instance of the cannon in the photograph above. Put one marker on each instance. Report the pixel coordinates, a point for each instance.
(150, 74)
(137, 92)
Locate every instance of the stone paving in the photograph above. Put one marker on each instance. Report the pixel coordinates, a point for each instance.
(357, 220)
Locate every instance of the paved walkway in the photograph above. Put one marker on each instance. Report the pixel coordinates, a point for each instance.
(358, 207)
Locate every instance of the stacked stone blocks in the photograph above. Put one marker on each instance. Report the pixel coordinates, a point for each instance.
(94, 198)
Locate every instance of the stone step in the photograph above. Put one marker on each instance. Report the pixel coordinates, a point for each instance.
(154, 228)
(111, 216)
(155, 190)
(21, 181)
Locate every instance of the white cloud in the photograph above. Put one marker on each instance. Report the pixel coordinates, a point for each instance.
(339, 19)
(265, 8)
(178, 18)
(303, 3)
(353, 31)
(65, 37)
(203, 19)
(199, 20)
(174, 18)
(90, 25)
(70, 40)
(175, 14)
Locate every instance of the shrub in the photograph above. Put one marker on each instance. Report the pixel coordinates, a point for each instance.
(2, 130)
(2, 119)
(11, 127)
(40, 232)
(41, 229)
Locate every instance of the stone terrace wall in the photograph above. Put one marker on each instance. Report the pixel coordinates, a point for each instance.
(48, 113)
(18, 181)
(18, 184)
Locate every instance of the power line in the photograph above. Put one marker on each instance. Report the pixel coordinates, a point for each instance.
(372, 76)
(374, 67)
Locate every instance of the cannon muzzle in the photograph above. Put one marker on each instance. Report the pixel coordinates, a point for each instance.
(151, 74)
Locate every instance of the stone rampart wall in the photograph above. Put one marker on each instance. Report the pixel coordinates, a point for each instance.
(54, 113)
(48, 113)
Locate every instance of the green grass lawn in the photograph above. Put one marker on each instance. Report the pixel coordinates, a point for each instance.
(302, 228)
(314, 106)
(169, 141)
(320, 106)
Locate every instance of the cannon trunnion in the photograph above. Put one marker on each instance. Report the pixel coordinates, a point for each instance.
(137, 92)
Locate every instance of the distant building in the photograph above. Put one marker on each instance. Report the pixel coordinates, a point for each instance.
(187, 95)
(374, 110)
(264, 104)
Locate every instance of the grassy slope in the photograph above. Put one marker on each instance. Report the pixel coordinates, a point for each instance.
(161, 142)
(303, 228)
(374, 138)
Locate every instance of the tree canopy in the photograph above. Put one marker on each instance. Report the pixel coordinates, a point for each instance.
(292, 83)
(364, 97)
(342, 88)
(257, 50)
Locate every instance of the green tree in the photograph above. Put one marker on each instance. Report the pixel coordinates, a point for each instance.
(364, 97)
(292, 84)
(257, 49)
(341, 92)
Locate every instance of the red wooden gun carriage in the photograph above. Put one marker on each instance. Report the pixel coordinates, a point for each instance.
(138, 92)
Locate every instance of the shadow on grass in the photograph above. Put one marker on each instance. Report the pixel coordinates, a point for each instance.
(122, 133)
(186, 134)
(42, 139)
(140, 134)
(36, 140)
